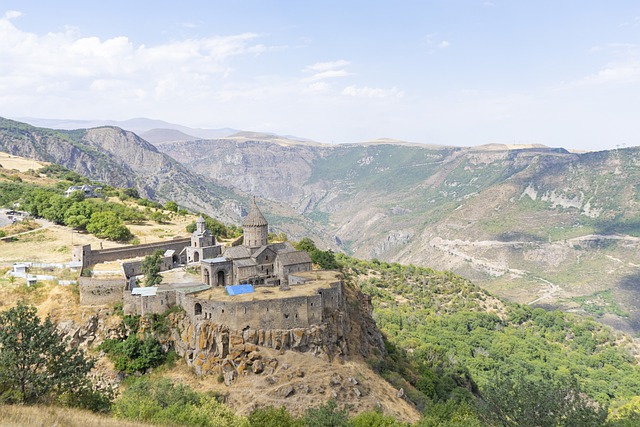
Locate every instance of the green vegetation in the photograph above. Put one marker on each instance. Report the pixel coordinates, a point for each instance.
(136, 353)
(600, 303)
(324, 259)
(151, 268)
(449, 342)
(97, 216)
(38, 366)
(162, 403)
(216, 228)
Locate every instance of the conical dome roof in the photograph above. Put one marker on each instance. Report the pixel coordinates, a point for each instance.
(254, 218)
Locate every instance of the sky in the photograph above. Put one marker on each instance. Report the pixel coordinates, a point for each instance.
(563, 73)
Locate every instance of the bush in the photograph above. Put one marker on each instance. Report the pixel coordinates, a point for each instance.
(272, 417)
(162, 402)
(327, 415)
(134, 354)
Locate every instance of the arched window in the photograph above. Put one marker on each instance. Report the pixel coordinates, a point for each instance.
(198, 309)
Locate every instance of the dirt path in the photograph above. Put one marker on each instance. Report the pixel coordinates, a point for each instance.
(44, 224)
(455, 247)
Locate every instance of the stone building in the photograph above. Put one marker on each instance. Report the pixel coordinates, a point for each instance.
(203, 244)
(285, 295)
(255, 262)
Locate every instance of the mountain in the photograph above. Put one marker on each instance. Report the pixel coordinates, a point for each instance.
(121, 158)
(138, 125)
(535, 224)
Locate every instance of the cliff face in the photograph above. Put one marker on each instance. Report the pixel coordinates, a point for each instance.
(121, 159)
(348, 333)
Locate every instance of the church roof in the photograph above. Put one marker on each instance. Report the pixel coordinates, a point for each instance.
(292, 258)
(235, 252)
(254, 218)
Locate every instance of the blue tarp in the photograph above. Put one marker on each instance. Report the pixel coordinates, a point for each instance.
(239, 289)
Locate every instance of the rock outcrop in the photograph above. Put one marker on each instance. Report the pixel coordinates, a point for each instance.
(215, 348)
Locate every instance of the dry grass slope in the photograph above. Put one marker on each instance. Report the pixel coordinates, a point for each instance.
(48, 416)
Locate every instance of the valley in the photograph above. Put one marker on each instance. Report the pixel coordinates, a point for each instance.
(518, 220)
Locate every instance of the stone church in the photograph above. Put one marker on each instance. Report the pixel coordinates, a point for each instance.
(255, 262)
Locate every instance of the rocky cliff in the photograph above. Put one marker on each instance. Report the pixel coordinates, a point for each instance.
(215, 348)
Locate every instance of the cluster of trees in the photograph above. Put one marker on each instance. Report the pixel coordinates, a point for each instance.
(102, 218)
(136, 353)
(449, 342)
(216, 228)
(323, 259)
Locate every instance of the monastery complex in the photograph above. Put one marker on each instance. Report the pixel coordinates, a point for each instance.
(254, 285)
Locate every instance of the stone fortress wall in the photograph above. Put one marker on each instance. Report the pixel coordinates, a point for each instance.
(88, 256)
(279, 313)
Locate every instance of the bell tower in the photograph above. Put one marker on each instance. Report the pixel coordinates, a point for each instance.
(255, 228)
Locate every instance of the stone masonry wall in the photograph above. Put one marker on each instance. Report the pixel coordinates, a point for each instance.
(127, 252)
(209, 347)
(284, 313)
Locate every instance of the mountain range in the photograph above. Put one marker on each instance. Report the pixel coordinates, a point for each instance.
(533, 224)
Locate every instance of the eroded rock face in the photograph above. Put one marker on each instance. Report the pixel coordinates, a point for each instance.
(208, 347)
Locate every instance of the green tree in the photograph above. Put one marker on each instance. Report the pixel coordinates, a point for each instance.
(36, 364)
(375, 419)
(151, 269)
(171, 206)
(163, 403)
(305, 244)
(107, 225)
(532, 402)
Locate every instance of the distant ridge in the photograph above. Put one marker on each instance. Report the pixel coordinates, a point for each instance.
(138, 125)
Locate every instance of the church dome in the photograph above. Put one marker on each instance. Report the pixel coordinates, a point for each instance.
(255, 217)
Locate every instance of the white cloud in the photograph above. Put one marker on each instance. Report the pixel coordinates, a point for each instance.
(369, 92)
(66, 67)
(621, 73)
(318, 88)
(327, 70)
(329, 74)
(12, 14)
(444, 44)
(326, 66)
(622, 68)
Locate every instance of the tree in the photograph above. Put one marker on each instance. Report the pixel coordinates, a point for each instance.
(306, 244)
(107, 225)
(151, 269)
(542, 401)
(272, 417)
(36, 364)
(171, 206)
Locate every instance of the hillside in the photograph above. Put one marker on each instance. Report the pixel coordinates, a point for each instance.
(534, 224)
(448, 343)
(120, 158)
